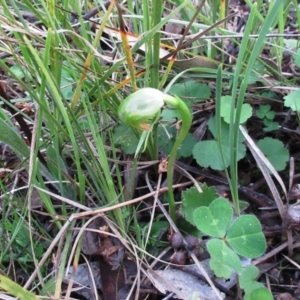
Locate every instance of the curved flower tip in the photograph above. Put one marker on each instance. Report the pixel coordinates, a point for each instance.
(141, 108)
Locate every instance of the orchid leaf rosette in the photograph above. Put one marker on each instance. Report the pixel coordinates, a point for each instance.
(142, 109)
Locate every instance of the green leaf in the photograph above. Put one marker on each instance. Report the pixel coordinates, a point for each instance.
(263, 110)
(156, 228)
(270, 125)
(245, 237)
(247, 279)
(296, 57)
(275, 152)
(223, 260)
(257, 69)
(125, 137)
(166, 139)
(21, 72)
(270, 115)
(269, 94)
(207, 153)
(170, 114)
(292, 100)
(15, 289)
(226, 104)
(192, 199)
(214, 219)
(185, 149)
(259, 294)
(10, 137)
(191, 91)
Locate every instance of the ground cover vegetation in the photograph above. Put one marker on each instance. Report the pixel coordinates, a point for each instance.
(149, 149)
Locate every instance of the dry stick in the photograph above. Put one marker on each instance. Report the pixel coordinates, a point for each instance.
(199, 35)
(88, 212)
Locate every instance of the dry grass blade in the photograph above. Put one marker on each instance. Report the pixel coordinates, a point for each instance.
(265, 166)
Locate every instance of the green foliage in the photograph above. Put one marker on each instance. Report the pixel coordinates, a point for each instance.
(156, 228)
(245, 236)
(292, 100)
(18, 248)
(296, 57)
(208, 154)
(16, 290)
(270, 125)
(253, 290)
(247, 279)
(231, 236)
(265, 111)
(125, 137)
(191, 91)
(223, 260)
(226, 103)
(259, 294)
(192, 199)
(211, 223)
(167, 136)
(275, 152)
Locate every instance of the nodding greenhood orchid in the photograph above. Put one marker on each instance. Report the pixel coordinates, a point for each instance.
(142, 109)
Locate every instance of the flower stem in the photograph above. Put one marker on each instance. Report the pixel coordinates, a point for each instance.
(186, 118)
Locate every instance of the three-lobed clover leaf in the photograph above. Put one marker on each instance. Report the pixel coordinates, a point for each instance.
(192, 199)
(223, 260)
(247, 279)
(242, 237)
(259, 294)
(245, 236)
(214, 219)
(265, 112)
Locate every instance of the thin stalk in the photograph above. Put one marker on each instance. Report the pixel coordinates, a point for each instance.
(186, 118)
(156, 19)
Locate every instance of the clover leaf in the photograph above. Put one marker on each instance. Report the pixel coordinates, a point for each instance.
(245, 237)
(223, 260)
(192, 199)
(259, 294)
(247, 279)
(214, 219)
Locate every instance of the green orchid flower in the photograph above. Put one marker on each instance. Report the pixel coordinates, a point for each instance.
(142, 109)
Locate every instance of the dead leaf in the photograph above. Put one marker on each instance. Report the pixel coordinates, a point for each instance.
(182, 284)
